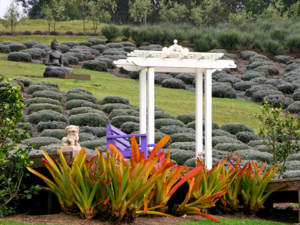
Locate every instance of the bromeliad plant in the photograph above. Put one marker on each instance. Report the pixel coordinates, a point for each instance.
(253, 187)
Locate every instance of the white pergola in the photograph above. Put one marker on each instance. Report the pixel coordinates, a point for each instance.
(177, 59)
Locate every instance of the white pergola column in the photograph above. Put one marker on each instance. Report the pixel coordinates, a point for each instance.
(199, 113)
(143, 101)
(151, 109)
(208, 118)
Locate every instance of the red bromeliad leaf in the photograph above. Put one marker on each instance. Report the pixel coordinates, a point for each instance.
(135, 152)
(261, 169)
(159, 146)
(115, 150)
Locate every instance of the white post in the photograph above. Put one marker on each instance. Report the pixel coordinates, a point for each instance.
(208, 119)
(199, 112)
(151, 109)
(143, 101)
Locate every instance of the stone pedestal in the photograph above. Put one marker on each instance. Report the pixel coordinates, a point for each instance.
(74, 149)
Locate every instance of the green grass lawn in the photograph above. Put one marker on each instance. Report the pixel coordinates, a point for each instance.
(234, 222)
(173, 101)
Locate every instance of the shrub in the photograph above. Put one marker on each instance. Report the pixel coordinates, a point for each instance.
(89, 119)
(86, 137)
(48, 94)
(260, 87)
(159, 77)
(15, 47)
(255, 143)
(278, 35)
(85, 43)
(172, 129)
(167, 122)
(47, 83)
(26, 32)
(108, 108)
(56, 133)
(219, 132)
(95, 65)
(68, 32)
(255, 155)
(296, 96)
(231, 147)
(96, 131)
(36, 53)
(229, 39)
(81, 103)
(193, 125)
(71, 44)
(181, 156)
(293, 43)
(257, 57)
(79, 90)
(268, 69)
(277, 100)
(42, 46)
(45, 116)
(72, 60)
(205, 43)
(130, 127)
(262, 148)
(118, 121)
(38, 32)
(261, 94)
(16, 83)
(273, 47)
(243, 85)
(245, 136)
(186, 117)
(234, 128)
(54, 32)
(223, 91)
(291, 67)
(259, 80)
(126, 31)
(26, 81)
(4, 49)
(41, 141)
(258, 63)
(94, 143)
(249, 75)
(287, 88)
(134, 74)
(291, 174)
(44, 106)
(138, 36)
(83, 110)
(173, 83)
(246, 55)
(96, 41)
(29, 44)
(186, 78)
(64, 48)
(275, 82)
(34, 88)
(109, 62)
(282, 58)
(81, 96)
(129, 49)
(183, 137)
(123, 71)
(111, 32)
(51, 125)
(191, 146)
(115, 46)
(19, 57)
(230, 79)
(30, 101)
(99, 48)
(123, 112)
(80, 34)
(294, 107)
(163, 114)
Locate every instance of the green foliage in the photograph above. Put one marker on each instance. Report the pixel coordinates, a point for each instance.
(114, 99)
(111, 32)
(30, 101)
(166, 122)
(234, 128)
(240, 16)
(279, 128)
(89, 119)
(19, 57)
(138, 36)
(118, 121)
(108, 108)
(48, 94)
(229, 39)
(44, 106)
(81, 103)
(273, 47)
(171, 12)
(45, 116)
(126, 31)
(34, 88)
(140, 9)
(293, 43)
(51, 125)
(83, 110)
(82, 96)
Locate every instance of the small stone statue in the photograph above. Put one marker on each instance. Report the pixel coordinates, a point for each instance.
(54, 62)
(70, 142)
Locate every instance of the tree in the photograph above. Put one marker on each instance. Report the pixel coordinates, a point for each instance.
(240, 17)
(171, 12)
(54, 12)
(140, 9)
(12, 169)
(280, 133)
(98, 12)
(275, 11)
(12, 17)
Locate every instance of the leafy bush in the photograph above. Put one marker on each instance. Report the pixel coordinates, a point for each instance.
(183, 137)
(186, 78)
(138, 36)
(186, 117)
(26, 81)
(181, 156)
(293, 43)
(258, 63)
(38, 32)
(19, 57)
(255, 143)
(85, 43)
(96, 41)
(277, 100)
(261, 94)
(118, 121)
(255, 155)
(243, 85)
(246, 55)
(268, 69)
(287, 88)
(83, 110)
(260, 87)
(219, 132)
(81, 96)
(172, 129)
(4, 49)
(230, 79)
(220, 90)
(94, 143)
(54, 32)
(51, 125)
(111, 32)
(282, 58)
(130, 127)
(245, 136)
(123, 112)
(126, 31)
(34, 88)
(173, 83)
(95, 65)
(45, 116)
(35, 53)
(81, 103)
(231, 147)
(159, 123)
(108, 108)
(86, 137)
(47, 83)
(163, 114)
(159, 77)
(44, 106)
(234, 128)
(79, 90)
(259, 80)
(249, 75)
(134, 74)
(118, 46)
(100, 48)
(205, 43)
(16, 83)
(89, 119)
(229, 39)
(262, 148)
(273, 47)
(42, 46)
(56, 133)
(48, 94)
(30, 101)
(296, 96)
(184, 146)
(258, 57)
(193, 125)
(15, 47)
(294, 107)
(41, 141)
(29, 44)
(71, 44)
(96, 131)
(129, 49)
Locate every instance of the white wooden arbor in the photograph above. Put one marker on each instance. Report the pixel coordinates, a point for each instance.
(177, 59)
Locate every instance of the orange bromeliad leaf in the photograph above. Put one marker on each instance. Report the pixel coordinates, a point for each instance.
(159, 146)
(135, 149)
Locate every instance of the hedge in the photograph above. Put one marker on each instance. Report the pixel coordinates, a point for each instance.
(41, 141)
(193, 125)
(231, 147)
(223, 139)
(186, 117)
(89, 119)
(294, 107)
(277, 100)
(184, 146)
(246, 55)
(29, 44)
(51, 125)
(259, 87)
(79, 90)
(183, 137)
(186, 78)
(48, 94)
(219, 132)
(167, 122)
(81, 103)
(4, 49)
(94, 143)
(108, 108)
(243, 85)
(255, 143)
(15, 47)
(163, 114)
(86, 137)
(19, 57)
(56, 133)
(261, 94)
(44, 106)
(83, 110)
(30, 101)
(246, 136)
(114, 99)
(130, 127)
(122, 112)
(97, 131)
(173, 83)
(221, 90)
(45, 116)
(47, 83)
(234, 128)
(118, 121)
(255, 155)
(180, 156)
(81, 96)
(158, 77)
(34, 88)
(172, 129)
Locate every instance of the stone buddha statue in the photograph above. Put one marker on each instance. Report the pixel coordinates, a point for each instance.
(54, 62)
